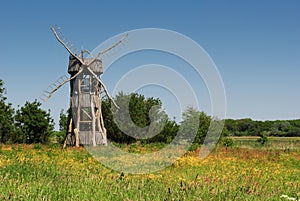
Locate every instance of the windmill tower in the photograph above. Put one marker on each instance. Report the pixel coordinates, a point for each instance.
(85, 120)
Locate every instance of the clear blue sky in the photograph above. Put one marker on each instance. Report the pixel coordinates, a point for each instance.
(254, 44)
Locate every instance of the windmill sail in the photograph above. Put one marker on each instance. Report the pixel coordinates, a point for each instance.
(63, 40)
(56, 85)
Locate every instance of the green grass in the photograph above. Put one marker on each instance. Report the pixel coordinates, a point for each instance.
(282, 143)
(44, 173)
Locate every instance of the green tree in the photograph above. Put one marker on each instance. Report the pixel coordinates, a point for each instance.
(34, 125)
(63, 127)
(63, 121)
(215, 130)
(167, 134)
(138, 118)
(245, 127)
(7, 128)
(194, 123)
(231, 126)
(112, 129)
(294, 128)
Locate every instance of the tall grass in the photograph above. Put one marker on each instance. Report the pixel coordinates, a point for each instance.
(28, 173)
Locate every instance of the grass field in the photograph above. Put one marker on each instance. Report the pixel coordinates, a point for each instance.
(283, 143)
(29, 172)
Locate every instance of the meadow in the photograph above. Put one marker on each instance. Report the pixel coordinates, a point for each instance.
(36, 172)
(282, 143)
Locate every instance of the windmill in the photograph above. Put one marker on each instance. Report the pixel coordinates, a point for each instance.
(85, 120)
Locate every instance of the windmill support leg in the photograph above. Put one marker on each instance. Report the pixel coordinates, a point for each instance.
(76, 133)
(77, 129)
(101, 128)
(101, 122)
(65, 142)
(104, 131)
(70, 127)
(93, 122)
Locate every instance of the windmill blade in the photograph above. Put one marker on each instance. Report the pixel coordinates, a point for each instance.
(120, 47)
(64, 39)
(104, 87)
(108, 49)
(56, 85)
(65, 44)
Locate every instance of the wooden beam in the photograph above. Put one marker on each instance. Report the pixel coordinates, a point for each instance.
(62, 42)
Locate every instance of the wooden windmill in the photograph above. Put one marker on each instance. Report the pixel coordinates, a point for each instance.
(85, 120)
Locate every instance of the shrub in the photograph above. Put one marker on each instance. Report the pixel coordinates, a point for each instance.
(263, 138)
(227, 142)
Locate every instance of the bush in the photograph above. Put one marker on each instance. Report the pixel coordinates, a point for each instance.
(227, 142)
(263, 138)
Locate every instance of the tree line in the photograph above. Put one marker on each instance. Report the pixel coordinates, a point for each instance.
(148, 123)
(249, 127)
